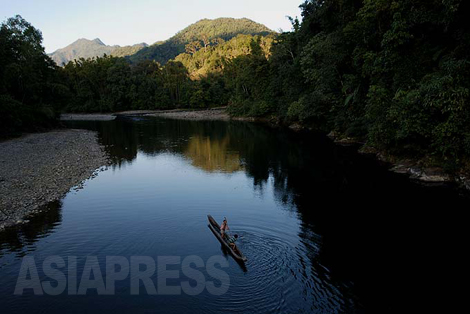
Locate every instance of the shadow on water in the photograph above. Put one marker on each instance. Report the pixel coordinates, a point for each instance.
(20, 239)
(367, 237)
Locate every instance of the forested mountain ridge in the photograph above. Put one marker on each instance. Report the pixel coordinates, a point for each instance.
(162, 51)
(84, 48)
(205, 30)
(127, 50)
(202, 60)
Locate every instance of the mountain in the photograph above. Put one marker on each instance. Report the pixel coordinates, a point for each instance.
(84, 48)
(162, 51)
(225, 28)
(128, 50)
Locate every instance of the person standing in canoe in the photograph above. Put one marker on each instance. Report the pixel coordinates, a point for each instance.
(224, 227)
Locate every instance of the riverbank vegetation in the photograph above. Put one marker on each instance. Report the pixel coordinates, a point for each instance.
(395, 74)
(31, 92)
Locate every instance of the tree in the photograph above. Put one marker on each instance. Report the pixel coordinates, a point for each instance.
(175, 77)
(217, 41)
(31, 93)
(205, 41)
(193, 47)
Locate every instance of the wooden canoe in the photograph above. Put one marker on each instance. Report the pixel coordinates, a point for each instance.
(215, 228)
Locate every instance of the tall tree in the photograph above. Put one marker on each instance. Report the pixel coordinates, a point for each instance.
(30, 90)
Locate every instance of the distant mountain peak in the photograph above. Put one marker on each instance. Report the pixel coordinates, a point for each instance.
(85, 48)
(163, 51)
(98, 41)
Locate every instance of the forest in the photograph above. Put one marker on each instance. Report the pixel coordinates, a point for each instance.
(393, 74)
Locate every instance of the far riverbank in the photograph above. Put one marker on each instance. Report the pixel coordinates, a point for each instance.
(416, 170)
(198, 115)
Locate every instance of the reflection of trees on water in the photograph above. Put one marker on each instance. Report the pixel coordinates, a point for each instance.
(293, 161)
(17, 238)
(119, 140)
(212, 155)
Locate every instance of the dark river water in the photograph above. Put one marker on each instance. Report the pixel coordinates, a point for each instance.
(325, 230)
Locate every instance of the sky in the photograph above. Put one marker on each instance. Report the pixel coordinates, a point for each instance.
(120, 22)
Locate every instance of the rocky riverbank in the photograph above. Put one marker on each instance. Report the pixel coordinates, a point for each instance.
(184, 114)
(199, 115)
(87, 117)
(39, 168)
(417, 170)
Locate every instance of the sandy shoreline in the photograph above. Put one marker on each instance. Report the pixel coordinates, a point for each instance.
(38, 168)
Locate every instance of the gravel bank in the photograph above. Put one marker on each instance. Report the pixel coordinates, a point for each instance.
(87, 117)
(210, 114)
(38, 168)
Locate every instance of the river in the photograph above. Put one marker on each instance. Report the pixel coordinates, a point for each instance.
(325, 230)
